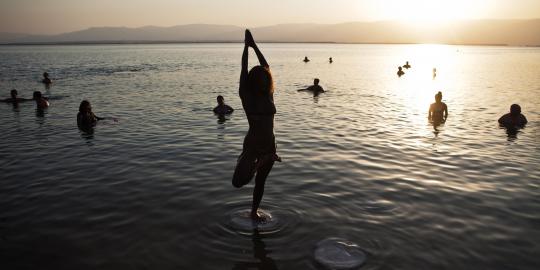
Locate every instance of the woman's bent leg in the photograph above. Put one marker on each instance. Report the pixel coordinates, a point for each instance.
(245, 169)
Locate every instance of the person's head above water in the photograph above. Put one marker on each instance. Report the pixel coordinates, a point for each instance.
(220, 100)
(438, 96)
(260, 80)
(45, 75)
(515, 110)
(316, 81)
(36, 95)
(85, 107)
(399, 68)
(13, 93)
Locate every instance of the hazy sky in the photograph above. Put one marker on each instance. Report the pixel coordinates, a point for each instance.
(57, 16)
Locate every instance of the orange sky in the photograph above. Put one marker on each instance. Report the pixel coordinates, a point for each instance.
(57, 16)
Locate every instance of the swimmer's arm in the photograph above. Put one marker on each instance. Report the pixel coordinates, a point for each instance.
(230, 109)
(309, 88)
(429, 112)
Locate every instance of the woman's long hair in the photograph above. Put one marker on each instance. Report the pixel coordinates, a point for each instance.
(260, 81)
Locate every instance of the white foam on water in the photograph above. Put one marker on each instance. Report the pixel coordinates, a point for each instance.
(336, 253)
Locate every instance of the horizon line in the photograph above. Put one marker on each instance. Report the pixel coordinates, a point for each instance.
(270, 25)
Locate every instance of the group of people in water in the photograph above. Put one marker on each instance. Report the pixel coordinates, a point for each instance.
(306, 60)
(256, 91)
(401, 72)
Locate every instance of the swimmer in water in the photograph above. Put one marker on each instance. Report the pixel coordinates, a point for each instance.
(41, 102)
(86, 118)
(438, 111)
(434, 73)
(407, 66)
(14, 99)
(259, 150)
(513, 120)
(222, 108)
(400, 72)
(46, 79)
(330, 60)
(306, 59)
(315, 88)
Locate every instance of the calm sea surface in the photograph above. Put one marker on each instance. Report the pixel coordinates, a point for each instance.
(360, 162)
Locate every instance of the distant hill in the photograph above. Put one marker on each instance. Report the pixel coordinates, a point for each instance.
(499, 32)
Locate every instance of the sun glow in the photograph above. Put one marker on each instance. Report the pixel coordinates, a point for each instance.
(433, 11)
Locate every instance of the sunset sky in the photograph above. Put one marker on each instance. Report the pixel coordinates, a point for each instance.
(58, 16)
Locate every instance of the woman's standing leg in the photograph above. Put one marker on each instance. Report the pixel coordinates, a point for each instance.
(258, 191)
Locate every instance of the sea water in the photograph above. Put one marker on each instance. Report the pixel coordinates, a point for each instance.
(360, 161)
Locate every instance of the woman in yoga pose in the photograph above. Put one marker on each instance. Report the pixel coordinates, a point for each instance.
(259, 149)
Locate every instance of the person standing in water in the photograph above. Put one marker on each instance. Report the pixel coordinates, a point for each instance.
(434, 73)
(407, 66)
(14, 99)
(315, 88)
(438, 111)
(41, 102)
(305, 59)
(86, 118)
(259, 149)
(330, 60)
(400, 72)
(514, 119)
(222, 108)
(46, 80)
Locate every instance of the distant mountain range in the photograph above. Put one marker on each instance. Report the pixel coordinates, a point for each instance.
(477, 32)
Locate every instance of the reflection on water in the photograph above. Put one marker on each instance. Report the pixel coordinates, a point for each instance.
(361, 162)
(260, 253)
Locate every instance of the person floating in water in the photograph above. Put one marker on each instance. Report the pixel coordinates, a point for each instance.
(14, 99)
(259, 149)
(330, 60)
(434, 73)
(400, 72)
(315, 88)
(513, 120)
(46, 79)
(306, 59)
(41, 101)
(222, 108)
(407, 66)
(438, 111)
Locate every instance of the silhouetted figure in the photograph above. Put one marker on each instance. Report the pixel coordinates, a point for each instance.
(315, 88)
(86, 118)
(41, 102)
(259, 150)
(407, 66)
(434, 73)
(438, 111)
(330, 60)
(400, 72)
(222, 108)
(513, 120)
(14, 99)
(306, 59)
(46, 79)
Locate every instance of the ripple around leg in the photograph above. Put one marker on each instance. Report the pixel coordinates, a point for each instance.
(274, 220)
(336, 253)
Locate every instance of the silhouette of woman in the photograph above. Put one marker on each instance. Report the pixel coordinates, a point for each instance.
(259, 149)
